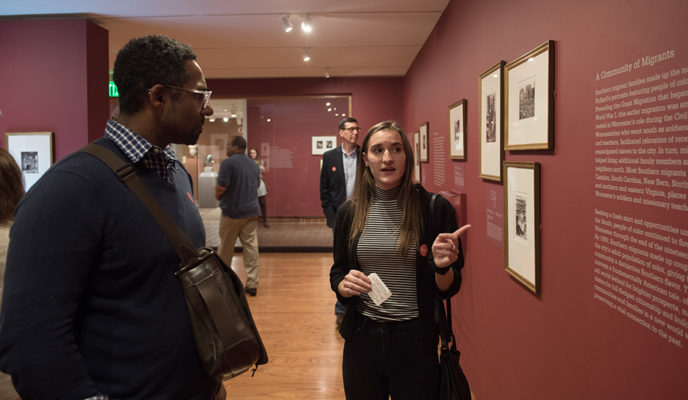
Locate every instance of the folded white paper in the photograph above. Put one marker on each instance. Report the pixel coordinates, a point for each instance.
(379, 291)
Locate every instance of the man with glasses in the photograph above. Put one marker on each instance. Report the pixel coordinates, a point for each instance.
(337, 180)
(92, 306)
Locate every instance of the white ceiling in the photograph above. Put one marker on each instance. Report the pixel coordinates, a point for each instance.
(244, 38)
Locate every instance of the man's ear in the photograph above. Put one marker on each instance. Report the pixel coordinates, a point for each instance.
(156, 95)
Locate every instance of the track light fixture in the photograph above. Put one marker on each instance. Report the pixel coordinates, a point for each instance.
(327, 73)
(306, 24)
(306, 56)
(287, 26)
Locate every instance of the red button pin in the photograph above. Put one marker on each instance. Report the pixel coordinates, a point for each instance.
(423, 250)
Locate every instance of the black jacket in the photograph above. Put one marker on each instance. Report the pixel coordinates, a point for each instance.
(333, 183)
(345, 258)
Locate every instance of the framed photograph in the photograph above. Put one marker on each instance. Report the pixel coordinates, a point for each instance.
(457, 130)
(321, 144)
(491, 86)
(522, 223)
(529, 108)
(416, 157)
(424, 145)
(33, 152)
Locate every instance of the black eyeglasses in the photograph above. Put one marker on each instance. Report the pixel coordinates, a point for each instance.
(205, 93)
(352, 129)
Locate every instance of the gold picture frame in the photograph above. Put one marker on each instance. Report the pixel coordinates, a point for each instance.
(529, 95)
(457, 130)
(33, 152)
(522, 223)
(491, 94)
(424, 142)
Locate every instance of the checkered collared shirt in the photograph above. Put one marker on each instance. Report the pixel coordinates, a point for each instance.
(139, 149)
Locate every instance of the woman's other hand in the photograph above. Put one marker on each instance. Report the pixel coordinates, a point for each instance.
(354, 283)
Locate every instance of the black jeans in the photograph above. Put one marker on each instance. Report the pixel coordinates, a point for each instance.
(390, 358)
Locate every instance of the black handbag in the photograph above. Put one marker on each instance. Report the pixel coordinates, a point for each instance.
(453, 381)
(227, 340)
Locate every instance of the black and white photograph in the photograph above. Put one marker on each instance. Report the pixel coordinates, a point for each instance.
(490, 119)
(521, 219)
(33, 152)
(321, 144)
(457, 130)
(29, 162)
(521, 222)
(526, 99)
(529, 100)
(491, 122)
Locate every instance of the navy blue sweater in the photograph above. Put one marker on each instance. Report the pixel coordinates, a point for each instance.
(91, 304)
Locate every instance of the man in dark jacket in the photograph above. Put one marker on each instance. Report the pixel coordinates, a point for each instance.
(92, 308)
(337, 180)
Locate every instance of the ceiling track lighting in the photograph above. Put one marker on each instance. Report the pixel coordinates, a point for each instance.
(327, 73)
(287, 26)
(306, 56)
(306, 24)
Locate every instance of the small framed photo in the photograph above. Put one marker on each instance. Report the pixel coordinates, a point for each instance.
(321, 144)
(522, 223)
(416, 157)
(424, 145)
(33, 152)
(529, 108)
(457, 130)
(491, 122)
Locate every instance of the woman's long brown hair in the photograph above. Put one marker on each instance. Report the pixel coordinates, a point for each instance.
(11, 186)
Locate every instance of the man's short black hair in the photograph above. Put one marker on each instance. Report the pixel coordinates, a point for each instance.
(342, 124)
(238, 141)
(147, 61)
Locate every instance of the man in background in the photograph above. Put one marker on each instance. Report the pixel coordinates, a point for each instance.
(337, 180)
(237, 191)
(92, 308)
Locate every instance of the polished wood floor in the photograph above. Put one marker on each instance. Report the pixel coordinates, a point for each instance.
(294, 312)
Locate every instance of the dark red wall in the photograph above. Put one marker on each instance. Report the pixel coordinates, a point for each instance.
(294, 191)
(54, 78)
(562, 344)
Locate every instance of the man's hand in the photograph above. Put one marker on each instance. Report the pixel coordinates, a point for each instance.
(219, 191)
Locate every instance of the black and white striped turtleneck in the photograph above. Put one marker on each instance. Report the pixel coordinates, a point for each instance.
(377, 252)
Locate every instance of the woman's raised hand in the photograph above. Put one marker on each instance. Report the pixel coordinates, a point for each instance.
(445, 249)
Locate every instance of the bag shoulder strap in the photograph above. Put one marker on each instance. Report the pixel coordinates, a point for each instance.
(444, 318)
(126, 173)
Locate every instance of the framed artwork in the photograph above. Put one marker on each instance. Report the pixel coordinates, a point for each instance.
(529, 108)
(522, 223)
(416, 157)
(33, 152)
(321, 144)
(457, 130)
(491, 86)
(424, 145)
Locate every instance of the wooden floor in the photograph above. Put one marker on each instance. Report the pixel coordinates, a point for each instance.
(284, 234)
(294, 312)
